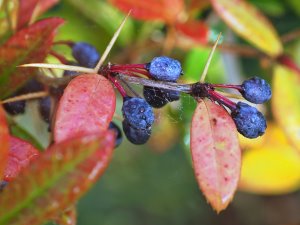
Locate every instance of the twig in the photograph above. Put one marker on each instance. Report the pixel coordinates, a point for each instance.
(186, 88)
(28, 96)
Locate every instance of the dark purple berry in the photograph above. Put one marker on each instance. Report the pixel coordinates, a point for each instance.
(119, 137)
(249, 121)
(18, 107)
(71, 73)
(137, 112)
(45, 108)
(256, 90)
(136, 136)
(85, 54)
(3, 184)
(15, 108)
(164, 68)
(158, 97)
(31, 86)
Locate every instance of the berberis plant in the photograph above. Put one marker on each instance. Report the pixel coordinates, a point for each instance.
(80, 107)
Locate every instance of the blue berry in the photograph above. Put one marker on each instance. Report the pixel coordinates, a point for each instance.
(164, 68)
(158, 97)
(137, 112)
(119, 137)
(256, 90)
(249, 121)
(136, 136)
(85, 54)
(71, 73)
(45, 108)
(15, 108)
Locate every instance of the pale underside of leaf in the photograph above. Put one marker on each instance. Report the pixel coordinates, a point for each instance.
(216, 154)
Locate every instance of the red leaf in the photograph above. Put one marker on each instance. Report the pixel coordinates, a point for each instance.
(29, 45)
(59, 177)
(162, 10)
(216, 154)
(87, 106)
(44, 5)
(4, 141)
(32, 8)
(21, 153)
(26, 8)
(196, 30)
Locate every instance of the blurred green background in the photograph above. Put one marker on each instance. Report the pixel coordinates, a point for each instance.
(147, 185)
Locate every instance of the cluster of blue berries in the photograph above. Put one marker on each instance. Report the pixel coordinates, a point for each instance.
(138, 112)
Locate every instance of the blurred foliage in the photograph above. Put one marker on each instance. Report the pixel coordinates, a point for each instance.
(142, 186)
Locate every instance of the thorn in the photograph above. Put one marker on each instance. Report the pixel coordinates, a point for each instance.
(110, 45)
(204, 73)
(28, 96)
(59, 66)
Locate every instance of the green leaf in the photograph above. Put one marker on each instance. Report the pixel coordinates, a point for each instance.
(18, 131)
(216, 153)
(250, 23)
(56, 180)
(195, 62)
(105, 15)
(285, 102)
(30, 44)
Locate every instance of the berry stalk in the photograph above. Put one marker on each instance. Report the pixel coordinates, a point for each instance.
(232, 86)
(222, 100)
(118, 86)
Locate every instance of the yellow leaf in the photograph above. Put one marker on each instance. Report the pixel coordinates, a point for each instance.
(270, 170)
(249, 23)
(286, 103)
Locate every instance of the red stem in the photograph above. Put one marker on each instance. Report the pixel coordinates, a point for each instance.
(287, 61)
(222, 100)
(118, 85)
(125, 72)
(60, 57)
(69, 43)
(237, 87)
(129, 66)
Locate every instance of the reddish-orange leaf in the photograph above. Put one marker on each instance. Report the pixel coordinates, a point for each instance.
(4, 141)
(250, 23)
(87, 106)
(162, 10)
(21, 153)
(44, 5)
(216, 154)
(28, 45)
(196, 30)
(60, 176)
(25, 10)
